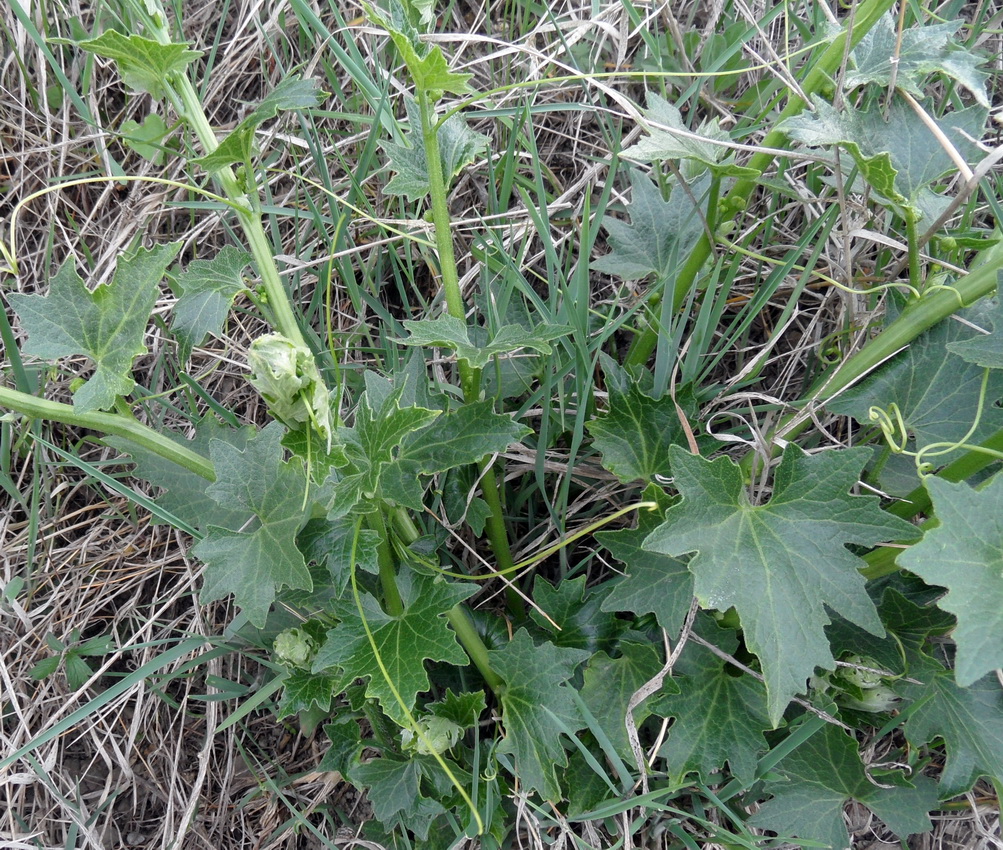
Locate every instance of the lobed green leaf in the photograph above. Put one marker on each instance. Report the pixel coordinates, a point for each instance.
(145, 65)
(779, 564)
(107, 325)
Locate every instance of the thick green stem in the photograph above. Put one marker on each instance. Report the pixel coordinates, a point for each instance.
(918, 501)
(912, 246)
(470, 378)
(497, 532)
(109, 423)
(881, 562)
(404, 525)
(919, 315)
(388, 564)
(865, 16)
(472, 643)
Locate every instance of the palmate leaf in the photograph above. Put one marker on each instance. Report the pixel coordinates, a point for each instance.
(253, 565)
(654, 584)
(782, 563)
(458, 147)
(208, 289)
(331, 543)
(660, 234)
(236, 147)
(431, 71)
(984, 349)
(461, 437)
(459, 503)
(537, 708)
(371, 447)
(610, 683)
(393, 788)
(821, 775)
(587, 789)
(294, 92)
(718, 716)
(346, 741)
(969, 721)
(411, 383)
(906, 624)
(452, 333)
(882, 56)
(147, 138)
(912, 622)
(577, 613)
(425, 63)
(964, 553)
(899, 157)
(388, 450)
(392, 785)
(184, 493)
(144, 64)
(674, 140)
(463, 708)
(107, 325)
(936, 390)
(635, 432)
(404, 642)
(303, 689)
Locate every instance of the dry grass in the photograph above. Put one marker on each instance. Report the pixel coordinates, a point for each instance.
(144, 769)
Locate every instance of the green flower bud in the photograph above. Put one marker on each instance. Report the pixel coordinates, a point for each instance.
(864, 679)
(287, 378)
(876, 700)
(295, 648)
(725, 229)
(439, 735)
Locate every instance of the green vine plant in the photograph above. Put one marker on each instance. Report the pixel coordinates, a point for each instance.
(793, 621)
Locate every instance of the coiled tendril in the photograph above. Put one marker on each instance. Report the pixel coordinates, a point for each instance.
(893, 429)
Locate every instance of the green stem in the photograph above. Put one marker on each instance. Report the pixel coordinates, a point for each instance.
(388, 564)
(648, 331)
(912, 246)
(919, 315)
(918, 501)
(109, 423)
(881, 562)
(404, 525)
(194, 116)
(472, 643)
(495, 527)
(470, 378)
(866, 16)
(713, 202)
